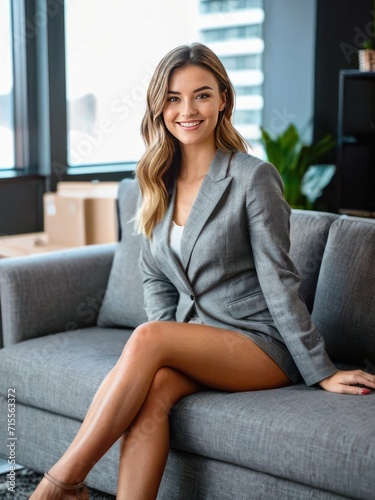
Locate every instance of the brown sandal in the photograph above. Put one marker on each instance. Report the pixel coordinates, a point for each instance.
(79, 488)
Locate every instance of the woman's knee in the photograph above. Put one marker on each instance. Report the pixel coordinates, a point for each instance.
(145, 338)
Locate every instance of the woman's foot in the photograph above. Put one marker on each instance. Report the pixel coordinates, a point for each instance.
(51, 488)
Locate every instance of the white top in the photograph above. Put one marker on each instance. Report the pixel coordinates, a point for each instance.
(175, 240)
(175, 236)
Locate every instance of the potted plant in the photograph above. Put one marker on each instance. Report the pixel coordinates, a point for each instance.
(293, 159)
(366, 55)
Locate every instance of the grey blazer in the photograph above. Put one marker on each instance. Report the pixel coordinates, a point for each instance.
(236, 272)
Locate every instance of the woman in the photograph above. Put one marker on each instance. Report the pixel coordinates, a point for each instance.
(220, 290)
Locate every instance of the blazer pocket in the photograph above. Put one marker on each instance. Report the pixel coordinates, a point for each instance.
(252, 307)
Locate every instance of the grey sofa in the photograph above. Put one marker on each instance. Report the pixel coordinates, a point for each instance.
(61, 338)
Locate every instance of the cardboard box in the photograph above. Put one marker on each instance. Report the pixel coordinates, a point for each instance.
(27, 244)
(107, 190)
(81, 213)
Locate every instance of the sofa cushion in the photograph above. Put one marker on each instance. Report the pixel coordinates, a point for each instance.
(60, 373)
(344, 308)
(308, 237)
(296, 433)
(123, 299)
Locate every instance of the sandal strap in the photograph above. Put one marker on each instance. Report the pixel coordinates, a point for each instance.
(62, 485)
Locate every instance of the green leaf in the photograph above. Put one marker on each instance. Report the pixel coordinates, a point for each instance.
(292, 158)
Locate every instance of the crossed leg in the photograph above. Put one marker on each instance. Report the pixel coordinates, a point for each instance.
(162, 362)
(145, 446)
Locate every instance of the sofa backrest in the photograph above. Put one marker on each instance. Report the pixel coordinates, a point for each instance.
(123, 300)
(344, 307)
(308, 236)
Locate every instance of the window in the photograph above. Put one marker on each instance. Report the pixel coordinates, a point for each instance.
(111, 53)
(7, 159)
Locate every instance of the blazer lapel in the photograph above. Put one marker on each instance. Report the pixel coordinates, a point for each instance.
(212, 189)
(162, 250)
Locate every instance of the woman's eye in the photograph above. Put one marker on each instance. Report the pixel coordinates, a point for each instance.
(172, 99)
(203, 96)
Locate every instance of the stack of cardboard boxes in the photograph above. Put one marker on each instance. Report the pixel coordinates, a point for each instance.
(77, 214)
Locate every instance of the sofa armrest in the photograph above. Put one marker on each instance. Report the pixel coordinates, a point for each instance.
(49, 293)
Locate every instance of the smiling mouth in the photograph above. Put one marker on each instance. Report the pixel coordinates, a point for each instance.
(190, 124)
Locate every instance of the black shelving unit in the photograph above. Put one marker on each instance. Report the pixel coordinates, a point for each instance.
(356, 142)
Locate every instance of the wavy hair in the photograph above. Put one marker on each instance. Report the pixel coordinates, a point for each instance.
(162, 149)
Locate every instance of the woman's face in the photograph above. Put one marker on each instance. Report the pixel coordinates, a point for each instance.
(193, 104)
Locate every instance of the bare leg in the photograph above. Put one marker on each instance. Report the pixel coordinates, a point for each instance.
(211, 356)
(145, 446)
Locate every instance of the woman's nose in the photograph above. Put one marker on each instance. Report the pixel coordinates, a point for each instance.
(189, 109)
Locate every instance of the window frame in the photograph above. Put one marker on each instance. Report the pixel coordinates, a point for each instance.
(39, 102)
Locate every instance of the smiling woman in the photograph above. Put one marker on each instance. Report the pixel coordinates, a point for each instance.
(191, 98)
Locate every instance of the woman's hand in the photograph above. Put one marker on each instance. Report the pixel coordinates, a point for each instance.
(344, 382)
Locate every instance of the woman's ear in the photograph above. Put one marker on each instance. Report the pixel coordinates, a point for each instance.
(224, 100)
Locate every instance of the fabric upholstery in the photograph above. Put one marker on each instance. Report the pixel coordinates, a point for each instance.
(123, 300)
(308, 237)
(187, 476)
(301, 434)
(344, 309)
(193, 477)
(61, 372)
(50, 293)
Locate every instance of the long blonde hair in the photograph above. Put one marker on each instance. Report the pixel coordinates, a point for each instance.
(162, 148)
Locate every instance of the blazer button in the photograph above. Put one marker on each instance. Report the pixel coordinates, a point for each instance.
(192, 297)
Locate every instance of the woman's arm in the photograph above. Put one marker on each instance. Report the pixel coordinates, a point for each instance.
(160, 295)
(268, 216)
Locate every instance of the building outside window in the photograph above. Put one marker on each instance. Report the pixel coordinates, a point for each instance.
(7, 152)
(233, 29)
